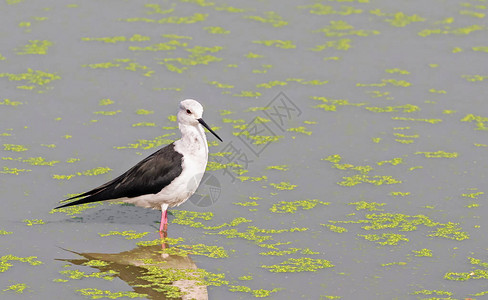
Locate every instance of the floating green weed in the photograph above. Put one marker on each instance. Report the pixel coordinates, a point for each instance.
(277, 43)
(322, 9)
(6, 261)
(129, 234)
(14, 171)
(17, 288)
(10, 103)
(283, 186)
(394, 161)
(398, 19)
(407, 108)
(341, 44)
(300, 129)
(423, 252)
(247, 203)
(371, 206)
(391, 239)
(332, 104)
(384, 82)
(278, 167)
(333, 228)
(117, 39)
(303, 264)
(401, 194)
(149, 144)
(33, 222)
(480, 121)
(77, 274)
(293, 206)
(36, 78)
(4, 232)
(76, 209)
(439, 154)
(14, 148)
(449, 30)
(342, 28)
(270, 17)
(98, 294)
(35, 47)
(431, 121)
(361, 178)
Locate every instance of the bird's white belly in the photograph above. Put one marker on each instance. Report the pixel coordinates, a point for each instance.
(179, 190)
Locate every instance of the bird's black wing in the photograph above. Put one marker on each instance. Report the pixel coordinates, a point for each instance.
(149, 176)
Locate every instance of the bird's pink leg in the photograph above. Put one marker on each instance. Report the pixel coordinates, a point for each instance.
(164, 221)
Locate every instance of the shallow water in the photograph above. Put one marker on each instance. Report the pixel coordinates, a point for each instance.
(353, 162)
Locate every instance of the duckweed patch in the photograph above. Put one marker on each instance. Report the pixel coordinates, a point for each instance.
(6, 261)
(94, 293)
(391, 239)
(293, 206)
(17, 288)
(33, 79)
(35, 47)
(423, 252)
(371, 206)
(439, 154)
(333, 228)
(129, 234)
(33, 222)
(283, 186)
(303, 264)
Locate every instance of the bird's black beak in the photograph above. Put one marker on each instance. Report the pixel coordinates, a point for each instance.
(201, 121)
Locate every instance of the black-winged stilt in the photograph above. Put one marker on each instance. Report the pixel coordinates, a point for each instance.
(166, 178)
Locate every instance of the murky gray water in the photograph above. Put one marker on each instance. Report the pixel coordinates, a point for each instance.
(353, 162)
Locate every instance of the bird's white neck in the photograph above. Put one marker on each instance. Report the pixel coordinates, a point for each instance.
(193, 139)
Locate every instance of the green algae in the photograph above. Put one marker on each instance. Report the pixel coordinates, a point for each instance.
(431, 121)
(371, 206)
(117, 39)
(247, 203)
(94, 293)
(265, 68)
(385, 82)
(123, 64)
(341, 28)
(149, 144)
(277, 43)
(129, 234)
(216, 30)
(300, 129)
(303, 264)
(395, 161)
(278, 167)
(270, 17)
(391, 239)
(400, 263)
(401, 194)
(434, 292)
(283, 186)
(34, 161)
(407, 108)
(438, 154)
(397, 71)
(77, 274)
(252, 179)
(322, 9)
(10, 103)
(35, 79)
(33, 222)
(195, 18)
(221, 85)
(14, 148)
(450, 231)
(144, 124)
(4, 232)
(271, 84)
(423, 252)
(256, 293)
(6, 261)
(472, 195)
(293, 206)
(17, 288)
(76, 209)
(480, 121)
(361, 178)
(332, 104)
(13, 171)
(144, 112)
(35, 47)
(341, 44)
(333, 228)
(398, 19)
(449, 30)
(96, 263)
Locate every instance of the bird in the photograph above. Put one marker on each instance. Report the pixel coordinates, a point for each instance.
(166, 178)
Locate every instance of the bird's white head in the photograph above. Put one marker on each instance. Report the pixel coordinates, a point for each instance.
(190, 114)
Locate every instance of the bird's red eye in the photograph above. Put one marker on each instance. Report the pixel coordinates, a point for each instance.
(188, 111)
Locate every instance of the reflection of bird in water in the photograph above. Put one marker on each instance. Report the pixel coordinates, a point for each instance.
(150, 272)
(166, 178)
